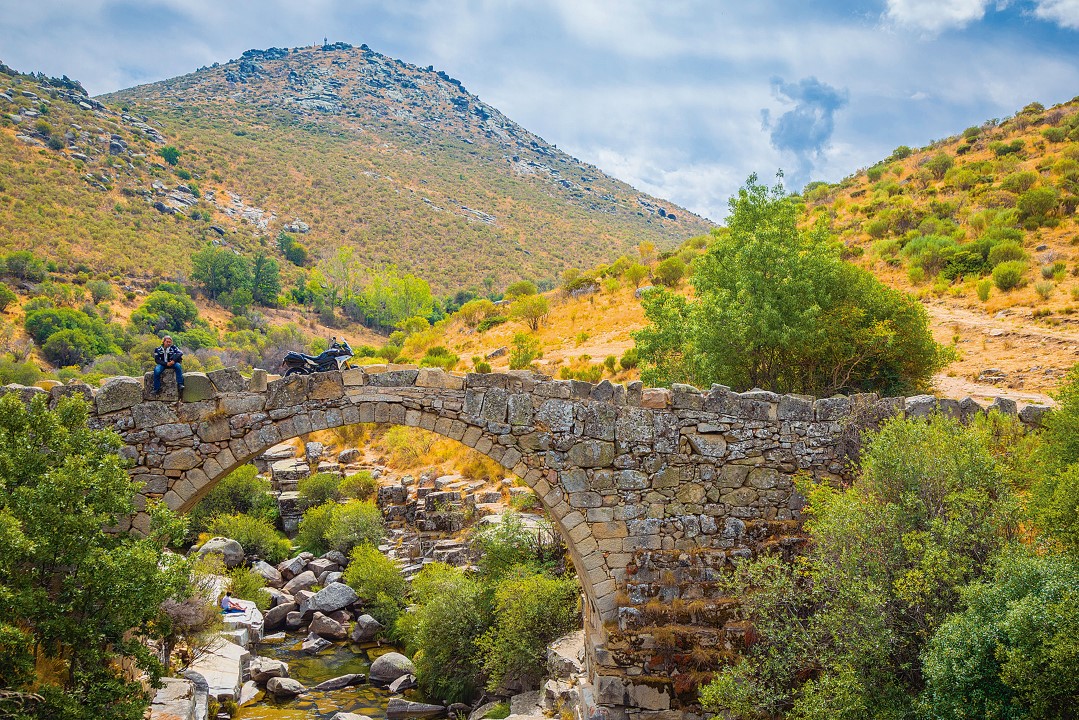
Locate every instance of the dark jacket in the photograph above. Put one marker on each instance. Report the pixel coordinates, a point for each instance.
(163, 356)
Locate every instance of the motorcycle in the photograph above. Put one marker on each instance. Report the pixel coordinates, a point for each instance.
(335, 357)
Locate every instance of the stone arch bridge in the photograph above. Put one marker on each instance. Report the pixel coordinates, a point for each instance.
(653, 490)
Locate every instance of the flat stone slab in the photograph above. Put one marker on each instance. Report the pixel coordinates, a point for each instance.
(175, 700)
(222, 666)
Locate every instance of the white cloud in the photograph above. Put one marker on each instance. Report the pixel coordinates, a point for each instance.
(933, 16)
(1063, 12)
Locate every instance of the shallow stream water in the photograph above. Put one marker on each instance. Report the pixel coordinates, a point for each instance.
(341, 659)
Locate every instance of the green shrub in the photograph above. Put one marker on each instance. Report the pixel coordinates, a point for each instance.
(875, 173)
(982, 288)
(164, 311)
(490, 322)
(521, 287)
(375, 577)
(439, 356)
(669, 272)
(939, 164)
(526, 349)
(1044, 289)
(247, 584)
(629, 359)
(1038, 202)
(318, 489)
(69, 347)
(23, 265)
(529, 613)
(7, 296)
(255, 534)
(1019, 182)
(1055, 134)
(449, 614)
(241, 491)
(334, 526)
(506, 545)
(901, 152)
(1009, 275)
(169, 154)
(1004, 252)
(610, 362)
(359, 486)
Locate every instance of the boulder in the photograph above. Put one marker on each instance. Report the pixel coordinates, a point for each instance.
(269, 573)
(118, 393)
(320, 565)
(282, 687)
(230, 550)
(227, 380)
(342, 616)
(332, 597)
(349, 456)
(248, 692)
(314, 451)
(315, 644)
(294, 620)
(336, 556)
(341, 682)
(349, 716)
(327, 628)
(292, 567)
(287, 474)
(1034, 414)
(366, 629)
(276, 616)
(303, 581)
(262, 669)
(399, 708)
(405, 682)
(387, 668)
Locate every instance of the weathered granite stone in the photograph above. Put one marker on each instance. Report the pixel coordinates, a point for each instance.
(118, 393)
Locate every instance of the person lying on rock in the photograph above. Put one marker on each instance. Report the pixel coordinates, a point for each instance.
(228, 605)
(167, 355)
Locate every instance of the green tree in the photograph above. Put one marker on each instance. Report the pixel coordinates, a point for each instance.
(635, 274)
(241, 491)
(526, 349)
(219, 270)
(532, 309)
(77, 596)
(776, 307)
(163, 311)
(265, 280)
(69, 347)
(670, 272)
(169, 154)
(939, 164)
(519, 288)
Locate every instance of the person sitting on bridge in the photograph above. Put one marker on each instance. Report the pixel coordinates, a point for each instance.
(167, 355)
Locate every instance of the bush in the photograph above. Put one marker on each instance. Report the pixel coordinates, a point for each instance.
(490, 322)
(473, 311)
(982, 288)
(246, 584)
(69, 347)
(164, 311)
(371, 574)
(169, 154)
(1009, 275)
(1019, 182)
(1044, 288)
(255, 534)
(532, 309)
(318, 489)
(100, 290)
(1037, 202)
(448, 616)
(334, 526)
(670, 272)
(530, 612)
(7, 296)
(1004, 252)
(939, 164)
(23, 265)
(521, 287)
(629, 359)
(439, 356)
(506, 545)
(241, 491)
(359, 486)
(525, 351)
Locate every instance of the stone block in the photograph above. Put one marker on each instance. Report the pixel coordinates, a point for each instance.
(259, 380)
(393, 378)
(591, 453)
(919, 405)
(555, 416)
(834, 408)
(227, 380)
(118, 393)
(968, 408)
(72, 389)
(709, 445)
(286, 474)
(325, 386)
(149, 415)
(1004, 406)
(286, 392)
(656, 398)
(215, 430)
(1034, 414)
(436, 378)
(182, 459)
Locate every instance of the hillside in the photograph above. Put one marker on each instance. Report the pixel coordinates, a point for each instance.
(401, 163)
(926, 221)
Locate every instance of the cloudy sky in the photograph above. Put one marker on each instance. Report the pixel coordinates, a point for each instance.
(681, 98)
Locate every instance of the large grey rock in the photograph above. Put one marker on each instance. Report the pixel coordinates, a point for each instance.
(349, 455)
(281, 687)
(366, 629)
(175, 700)
(287, 474)
(341, 682)
(327, 628)
(303, 581)
(230, 550)
(269, 573)
(332, 597)
(399, 708)
(227, 380)
(262, 669)
(387, 668)
(1034, 414)
(292, 567)
(197, 387)
(118, 393)
(276, 616)
(314, 451)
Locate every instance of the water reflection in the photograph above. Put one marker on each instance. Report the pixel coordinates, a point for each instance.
(340, 659)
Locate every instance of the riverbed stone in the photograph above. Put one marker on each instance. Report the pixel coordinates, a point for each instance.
(283, 687)
(387, 668)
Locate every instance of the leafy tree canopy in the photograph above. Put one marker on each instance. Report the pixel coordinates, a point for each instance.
(776, 307)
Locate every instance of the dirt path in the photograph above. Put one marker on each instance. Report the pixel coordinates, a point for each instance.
(1008, 354)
